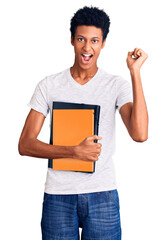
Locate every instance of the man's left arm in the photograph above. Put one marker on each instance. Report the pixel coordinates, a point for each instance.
(135, 115)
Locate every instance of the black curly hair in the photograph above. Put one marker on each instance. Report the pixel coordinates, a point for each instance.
(90, 16)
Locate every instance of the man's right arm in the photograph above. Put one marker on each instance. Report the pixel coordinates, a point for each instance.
(29, 145)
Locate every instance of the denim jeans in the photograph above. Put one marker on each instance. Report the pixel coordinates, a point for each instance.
(97, 213)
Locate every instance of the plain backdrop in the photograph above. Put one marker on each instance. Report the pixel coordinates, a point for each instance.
(35, 42)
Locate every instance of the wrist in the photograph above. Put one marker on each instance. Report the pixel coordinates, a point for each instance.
(134, 71)
(74, 150)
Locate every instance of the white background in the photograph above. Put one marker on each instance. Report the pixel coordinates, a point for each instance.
(35, 42)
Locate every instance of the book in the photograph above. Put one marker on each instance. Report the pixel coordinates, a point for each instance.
(71, 123)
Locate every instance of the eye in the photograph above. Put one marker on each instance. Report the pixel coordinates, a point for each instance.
(95, 40)
(80, 38)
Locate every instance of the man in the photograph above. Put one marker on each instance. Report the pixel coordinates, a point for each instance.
(78, 199)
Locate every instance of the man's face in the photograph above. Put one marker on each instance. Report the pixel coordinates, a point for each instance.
(88, 40)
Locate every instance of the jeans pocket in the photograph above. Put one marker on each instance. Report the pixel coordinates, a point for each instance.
(113, 196)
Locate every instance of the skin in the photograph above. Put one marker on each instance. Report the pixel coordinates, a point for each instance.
(89, 39)
(135, 115)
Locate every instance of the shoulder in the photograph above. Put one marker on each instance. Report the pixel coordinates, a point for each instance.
(118, 83)
(56, 75)
(51, 80)
(112, 77)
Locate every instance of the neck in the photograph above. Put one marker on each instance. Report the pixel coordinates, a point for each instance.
(78, 72)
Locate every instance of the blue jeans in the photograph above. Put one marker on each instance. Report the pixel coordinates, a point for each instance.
(96, 213)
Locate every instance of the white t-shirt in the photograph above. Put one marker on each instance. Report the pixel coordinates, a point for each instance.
(109, 91)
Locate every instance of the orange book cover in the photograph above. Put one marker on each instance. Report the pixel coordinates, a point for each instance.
(71, 124)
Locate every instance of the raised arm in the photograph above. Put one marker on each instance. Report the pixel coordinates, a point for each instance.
(135, 115)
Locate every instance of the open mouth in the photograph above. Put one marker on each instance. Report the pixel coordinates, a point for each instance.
(86, 58)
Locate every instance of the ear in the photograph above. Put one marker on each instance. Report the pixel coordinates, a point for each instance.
(72, 42)
(103, 44)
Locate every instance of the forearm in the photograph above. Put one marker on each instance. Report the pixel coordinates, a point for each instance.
(139, 116)
(35, 148)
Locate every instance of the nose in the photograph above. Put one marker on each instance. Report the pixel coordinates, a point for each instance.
(87, 46)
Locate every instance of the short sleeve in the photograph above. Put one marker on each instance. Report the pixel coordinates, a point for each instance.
(39, 99)
(124, 92)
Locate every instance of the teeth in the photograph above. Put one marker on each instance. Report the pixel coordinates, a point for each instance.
(87, 55)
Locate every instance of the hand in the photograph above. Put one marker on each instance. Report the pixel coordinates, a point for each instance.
(88, 150)
(136, 63)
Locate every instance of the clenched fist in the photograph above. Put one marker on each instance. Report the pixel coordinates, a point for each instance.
(139, 58)
(88, 150)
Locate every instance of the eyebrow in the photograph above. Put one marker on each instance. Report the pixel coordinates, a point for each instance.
(83, 36)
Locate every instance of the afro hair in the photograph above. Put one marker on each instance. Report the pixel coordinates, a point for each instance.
(90, 16)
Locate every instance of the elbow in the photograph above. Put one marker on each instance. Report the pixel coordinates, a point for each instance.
(138, 135)
(21, 147)
(25, 146)
(140, 138)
